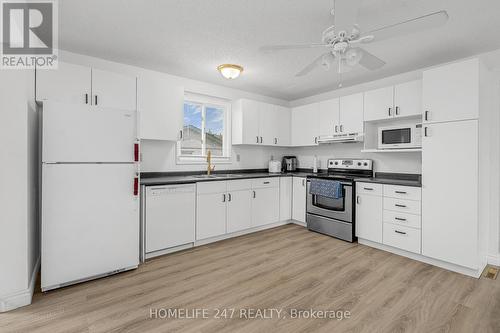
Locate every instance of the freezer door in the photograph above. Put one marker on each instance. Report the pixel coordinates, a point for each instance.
(90, 221)
(83, 133)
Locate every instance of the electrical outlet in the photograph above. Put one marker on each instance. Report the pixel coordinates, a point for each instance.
(272, 157)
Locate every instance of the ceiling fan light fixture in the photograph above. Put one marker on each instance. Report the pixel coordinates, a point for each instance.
(230, 71)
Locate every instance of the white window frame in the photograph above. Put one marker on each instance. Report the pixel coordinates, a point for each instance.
(208, 101)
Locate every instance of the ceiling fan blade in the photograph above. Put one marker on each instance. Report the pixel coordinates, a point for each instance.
(312, 65)
(270, 48)
(425, 22)
(368, 60)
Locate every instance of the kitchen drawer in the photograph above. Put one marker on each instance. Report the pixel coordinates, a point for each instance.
(404, 219)
(238, 185)
(211, 187)
(404, 206)
(403, 192)
(369, 188)
(404, 238)
(265, 182)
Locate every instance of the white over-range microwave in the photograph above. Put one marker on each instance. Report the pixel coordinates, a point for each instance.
(400, 137)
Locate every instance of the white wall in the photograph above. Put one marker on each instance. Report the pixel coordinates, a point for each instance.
(19, 246)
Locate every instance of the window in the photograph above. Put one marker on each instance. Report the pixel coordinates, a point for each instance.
(205, 129)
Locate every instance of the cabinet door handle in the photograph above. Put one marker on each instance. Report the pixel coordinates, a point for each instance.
(86, 98)
(400, 192)
(425, 132)
(397, 110)
(315, 139)
(257, 138)
(275, 141)
(224, 197)
(341, 128)
(336, 129)
(367, 188)
(400, 232)
(95, 99)
(260, 139)
(229, 197)
(426, 115)
(401, 206)
(267, 182)
(358, 199)
(254, 194)
(303, 182)
(181, 134)
(400, 219)
(390, 111)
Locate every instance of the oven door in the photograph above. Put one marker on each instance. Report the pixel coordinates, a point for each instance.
(338, 209)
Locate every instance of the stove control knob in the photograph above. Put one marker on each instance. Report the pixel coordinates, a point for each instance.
(336, 163)
(366, 164)
(359, 163)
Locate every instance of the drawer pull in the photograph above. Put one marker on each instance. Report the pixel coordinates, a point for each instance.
(400, 192)
(367, 188)
(400, 219)
(401, 206)
(266, 182)
(400, 232)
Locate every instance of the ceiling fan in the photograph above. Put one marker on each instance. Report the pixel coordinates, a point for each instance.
(344, 47)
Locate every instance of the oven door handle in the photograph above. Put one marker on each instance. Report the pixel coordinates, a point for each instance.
(342, 183)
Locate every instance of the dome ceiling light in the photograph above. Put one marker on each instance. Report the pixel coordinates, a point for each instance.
(230, 71)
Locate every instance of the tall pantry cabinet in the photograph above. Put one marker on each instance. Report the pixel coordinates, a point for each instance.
(455, 142)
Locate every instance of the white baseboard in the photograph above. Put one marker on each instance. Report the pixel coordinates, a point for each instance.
(240, 233)
(446, 265)
(302, 224)
(21, 298)
(494, 259)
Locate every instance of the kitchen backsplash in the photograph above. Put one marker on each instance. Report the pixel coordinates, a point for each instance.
(159, 156)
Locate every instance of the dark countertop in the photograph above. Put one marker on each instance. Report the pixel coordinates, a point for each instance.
(171, 178)
(150, 179)
(403, 179)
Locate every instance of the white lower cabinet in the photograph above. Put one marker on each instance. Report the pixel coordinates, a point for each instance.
(404, 238)
(369, 210)
(225, 207)
(299, 199)
(239, 210)
(210, 211)
(386, 215)
(286, 190)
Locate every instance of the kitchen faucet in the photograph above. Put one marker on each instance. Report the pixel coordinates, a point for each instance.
(210, 167)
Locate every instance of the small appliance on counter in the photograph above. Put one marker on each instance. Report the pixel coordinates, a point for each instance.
(274, 166)
(289, 163)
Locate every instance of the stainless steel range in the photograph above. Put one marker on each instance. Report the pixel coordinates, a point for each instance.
(336, 216)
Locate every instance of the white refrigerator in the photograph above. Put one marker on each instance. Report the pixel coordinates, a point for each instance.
(90, 193)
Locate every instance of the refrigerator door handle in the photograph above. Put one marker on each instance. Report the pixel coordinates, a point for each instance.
(136, 152)
(136, 186)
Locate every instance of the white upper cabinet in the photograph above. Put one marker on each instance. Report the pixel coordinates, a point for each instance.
(401, 100)
(113, 90)
(76, 84)
(351, 114)
(305, 125)
(451, 92)
(408, 99)
(329, 117)
(267, 124)
(379, 103)
(283, 123)
(258, 123)
(67, 84)
(160, 104)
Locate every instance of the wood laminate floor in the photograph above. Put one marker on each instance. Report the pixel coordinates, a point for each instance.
(283, 268)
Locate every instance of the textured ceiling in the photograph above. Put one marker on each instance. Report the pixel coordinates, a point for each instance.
(191, 37)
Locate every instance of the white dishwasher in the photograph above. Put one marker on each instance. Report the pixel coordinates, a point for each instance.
(169, 217)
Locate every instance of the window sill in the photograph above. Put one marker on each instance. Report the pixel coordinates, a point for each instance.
(202, 160)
